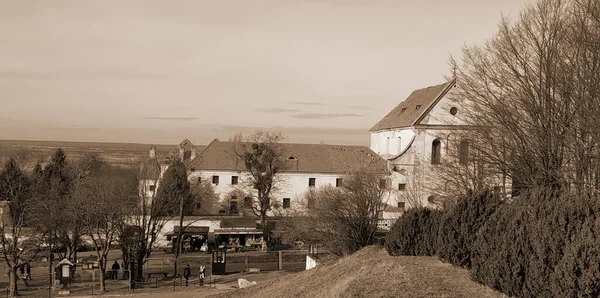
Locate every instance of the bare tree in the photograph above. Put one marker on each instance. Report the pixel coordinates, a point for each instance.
(533, 92)
(108, 195)
(264, 159)
(17, 237)
(342, 219)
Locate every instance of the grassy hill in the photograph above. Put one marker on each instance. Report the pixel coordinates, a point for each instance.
(123, 154)
(371, 272)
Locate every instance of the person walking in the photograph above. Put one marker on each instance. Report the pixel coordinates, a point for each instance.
(115, 269)
(186, 273)
(28, 270)
(201, 274)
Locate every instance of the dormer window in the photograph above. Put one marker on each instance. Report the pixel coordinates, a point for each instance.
(292, 158)
(418, 107)
(403, 109)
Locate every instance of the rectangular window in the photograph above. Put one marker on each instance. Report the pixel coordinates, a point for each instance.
(234, 180)
(215, 179)
(338, 182)
(152, 187)
(199, 179)
(463, 156)
(248, 202)
(233, 208)
(401, 186)
(286, 203)
(382, 183)
(198, 205)
(400, 204)
(312, 182)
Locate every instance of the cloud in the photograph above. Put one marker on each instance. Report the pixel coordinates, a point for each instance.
(172, 118)
(325, 116)
(359, 107)
(307, 103)
(278, 110)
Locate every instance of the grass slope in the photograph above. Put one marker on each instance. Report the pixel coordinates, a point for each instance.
(371, 272)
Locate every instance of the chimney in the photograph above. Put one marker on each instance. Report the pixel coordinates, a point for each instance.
(152, 153)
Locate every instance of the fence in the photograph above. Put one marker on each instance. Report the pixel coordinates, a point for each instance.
(87, 282)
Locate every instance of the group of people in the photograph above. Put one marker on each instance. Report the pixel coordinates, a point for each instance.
(187, 273)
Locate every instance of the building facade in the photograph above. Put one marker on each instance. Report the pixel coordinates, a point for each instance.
(418, 138)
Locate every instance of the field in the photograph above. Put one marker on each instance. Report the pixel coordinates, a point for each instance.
(120, 154)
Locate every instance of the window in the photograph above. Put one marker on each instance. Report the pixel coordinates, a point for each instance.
(401, 186)
(215, 179)
(401, 204)
(338, 182)
(453, 111)
(403, 109)
(382, 183)
(234, 180)
(387, 145)
(399, 145)
(292, 158)
(199, 179)
(187, 155)
(198, 205)
(286, 203)
(248, 202)
(463, 152)
(436, 150)
(152, 187)
(233, 209)
(431, 199)
(418, 107)
(312, 182)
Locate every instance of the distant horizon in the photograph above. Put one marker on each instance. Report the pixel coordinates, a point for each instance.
(155, 72)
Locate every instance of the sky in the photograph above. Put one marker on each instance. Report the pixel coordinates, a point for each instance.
(160, 71)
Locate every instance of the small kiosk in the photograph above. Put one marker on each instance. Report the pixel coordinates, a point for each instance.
(219, 261)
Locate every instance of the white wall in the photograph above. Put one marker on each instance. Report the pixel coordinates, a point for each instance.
(288, 185)
(391, 142)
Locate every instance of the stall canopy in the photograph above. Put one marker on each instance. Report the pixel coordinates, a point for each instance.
(190, 231)
(238, 226)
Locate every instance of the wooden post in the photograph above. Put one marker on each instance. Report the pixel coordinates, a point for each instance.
(247, 267)
(280, 260)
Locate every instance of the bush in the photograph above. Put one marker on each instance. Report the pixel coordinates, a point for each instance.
(459, 225)
(414, 233)
(542, 245)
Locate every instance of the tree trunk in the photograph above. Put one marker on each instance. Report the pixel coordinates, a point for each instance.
(140, 267)
(102, 278)
(179, 240)
(13, 280)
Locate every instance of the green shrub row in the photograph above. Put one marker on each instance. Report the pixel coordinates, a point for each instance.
(540, 245)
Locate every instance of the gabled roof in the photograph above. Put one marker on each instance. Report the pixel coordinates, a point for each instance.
(407, 114)
(301, 158)
(185, 146)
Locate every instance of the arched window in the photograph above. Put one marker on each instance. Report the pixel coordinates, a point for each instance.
(399, 145)
(436, 150)
(463, 152)
(387, 145)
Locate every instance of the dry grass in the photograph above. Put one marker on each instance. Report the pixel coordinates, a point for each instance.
(121, 154)
(371, 272)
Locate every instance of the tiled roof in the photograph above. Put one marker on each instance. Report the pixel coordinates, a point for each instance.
(406, 113)
(301, 158)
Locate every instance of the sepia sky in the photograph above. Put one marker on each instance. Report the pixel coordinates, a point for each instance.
(161, 71)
